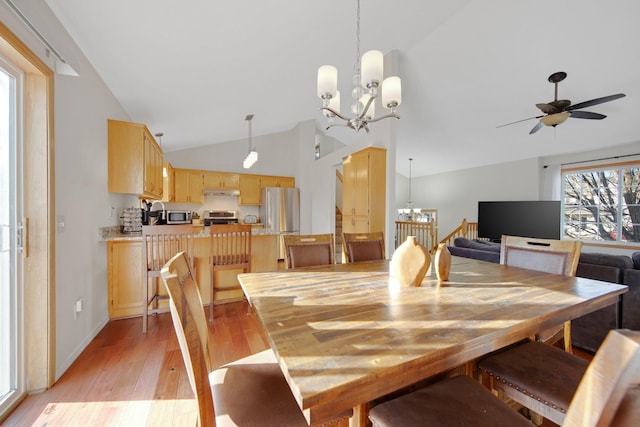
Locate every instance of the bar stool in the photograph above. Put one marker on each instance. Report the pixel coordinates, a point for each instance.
(159, 244)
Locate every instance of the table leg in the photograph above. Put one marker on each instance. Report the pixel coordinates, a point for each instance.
(360, 416)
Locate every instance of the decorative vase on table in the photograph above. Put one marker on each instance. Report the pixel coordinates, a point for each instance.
(442, 261)
(410, 263)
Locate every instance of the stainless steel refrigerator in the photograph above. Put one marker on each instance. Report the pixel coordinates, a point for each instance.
(280, 212)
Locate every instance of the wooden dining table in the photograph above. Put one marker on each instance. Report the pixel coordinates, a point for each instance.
(347, 334)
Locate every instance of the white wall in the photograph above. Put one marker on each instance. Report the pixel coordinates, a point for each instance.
(82, 106)
(228, 156)
(456, 194)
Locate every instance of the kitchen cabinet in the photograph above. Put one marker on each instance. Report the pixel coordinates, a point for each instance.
(167, 183)
(364, 191)
(277, 181)
(124, 270)
(249, 190)
(187, 186)
(134, 160)
(221, 180)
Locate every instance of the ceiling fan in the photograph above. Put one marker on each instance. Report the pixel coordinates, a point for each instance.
(559, 110)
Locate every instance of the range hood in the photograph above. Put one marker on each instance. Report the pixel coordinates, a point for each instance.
(218, 192)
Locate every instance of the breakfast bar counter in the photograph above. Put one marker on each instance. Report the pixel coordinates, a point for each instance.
(124, 268)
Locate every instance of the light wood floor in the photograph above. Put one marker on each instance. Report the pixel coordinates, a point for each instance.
(127, 378)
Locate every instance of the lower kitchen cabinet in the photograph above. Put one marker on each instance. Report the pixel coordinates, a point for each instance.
(124, 269)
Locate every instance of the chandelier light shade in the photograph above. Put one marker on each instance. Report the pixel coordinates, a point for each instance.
(368, 78)
(334, 105)
(252, 156)
(392, 92)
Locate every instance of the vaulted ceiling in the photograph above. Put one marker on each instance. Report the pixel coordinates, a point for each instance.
(194, 69)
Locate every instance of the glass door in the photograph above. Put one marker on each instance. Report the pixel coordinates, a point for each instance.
(11, 378)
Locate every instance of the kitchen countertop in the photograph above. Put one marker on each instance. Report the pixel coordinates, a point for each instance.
(114, 233)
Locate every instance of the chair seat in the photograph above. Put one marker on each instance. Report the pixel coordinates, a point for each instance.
(532, 368)
(253, 392)
(440, 404)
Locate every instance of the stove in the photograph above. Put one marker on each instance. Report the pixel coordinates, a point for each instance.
(219, 217)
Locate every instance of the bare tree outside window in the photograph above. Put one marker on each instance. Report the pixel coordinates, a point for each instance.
(602, 205)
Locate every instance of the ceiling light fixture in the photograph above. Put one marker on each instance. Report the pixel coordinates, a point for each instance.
(61, 65)
(368, 75)
(252, 157)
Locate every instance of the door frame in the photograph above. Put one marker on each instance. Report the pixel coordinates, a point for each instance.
(38, 208)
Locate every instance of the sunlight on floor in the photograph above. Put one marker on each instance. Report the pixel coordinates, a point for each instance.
(119, 413)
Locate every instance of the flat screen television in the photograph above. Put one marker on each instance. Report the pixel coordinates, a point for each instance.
(536, 218)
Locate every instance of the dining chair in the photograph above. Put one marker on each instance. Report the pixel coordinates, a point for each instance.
(606, 394)
(520, 363)
(550, 256)
(230, 249)
(248, 392)
(159, 244)
(362, 246)
(308, 250)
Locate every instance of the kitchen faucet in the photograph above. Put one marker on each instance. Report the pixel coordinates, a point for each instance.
(157, 201)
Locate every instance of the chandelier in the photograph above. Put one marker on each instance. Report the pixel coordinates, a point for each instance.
(368, 74)
(252, 156)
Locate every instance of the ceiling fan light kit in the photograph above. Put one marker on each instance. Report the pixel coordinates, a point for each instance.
(559, 110)
(368, 75)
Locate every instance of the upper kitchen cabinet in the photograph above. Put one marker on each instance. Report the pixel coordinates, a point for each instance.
(187, 186)
(364, 191)
(221, 180)
(167, 183)
(135, 160)
(249, 190)
(277, 181)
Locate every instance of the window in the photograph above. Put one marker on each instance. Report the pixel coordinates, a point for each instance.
(602, 204)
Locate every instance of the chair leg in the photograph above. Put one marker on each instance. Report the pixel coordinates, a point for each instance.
(212, 281)
(145, 304)
(568, 347)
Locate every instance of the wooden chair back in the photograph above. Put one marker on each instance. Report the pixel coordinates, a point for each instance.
(310, 249)
(230, 249)
(159, 244)
(191, 329)
(550, 256)
(362, 246)
(607, 394)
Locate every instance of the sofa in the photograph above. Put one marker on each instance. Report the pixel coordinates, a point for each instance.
(587, 332)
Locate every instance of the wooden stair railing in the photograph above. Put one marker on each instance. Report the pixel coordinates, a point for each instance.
(465, 229)
(424, 232)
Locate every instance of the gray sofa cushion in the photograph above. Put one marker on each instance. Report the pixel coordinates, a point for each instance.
(475, 254)
(618, 261)
(481, 245)
(635, 257)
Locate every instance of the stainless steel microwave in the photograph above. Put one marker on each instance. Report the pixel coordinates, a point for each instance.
(178, 217)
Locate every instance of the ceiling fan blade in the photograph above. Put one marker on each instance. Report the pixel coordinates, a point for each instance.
(518, 121)
(587, 115)
(536, 128)
(596, 101)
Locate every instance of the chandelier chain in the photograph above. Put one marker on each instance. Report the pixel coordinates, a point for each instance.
(357, 63)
